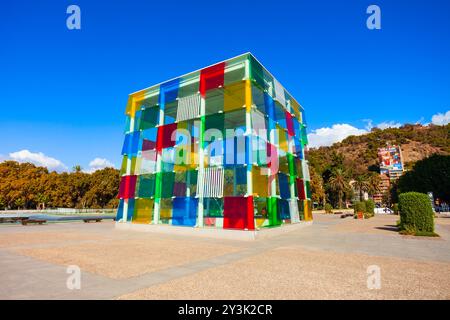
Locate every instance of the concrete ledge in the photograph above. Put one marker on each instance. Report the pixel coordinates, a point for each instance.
(213, 232)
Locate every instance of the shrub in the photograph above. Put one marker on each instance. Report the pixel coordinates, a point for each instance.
(370, 208)
(328, 208)
(416, 213)
(359, 206)
(395, 208)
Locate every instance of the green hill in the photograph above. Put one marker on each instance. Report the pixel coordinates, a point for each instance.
(359, 153)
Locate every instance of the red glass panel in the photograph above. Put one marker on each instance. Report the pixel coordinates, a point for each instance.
(238, 213)
(211, 77)
(290, 124)
(164, 139)
(127, 187)
(300, 189)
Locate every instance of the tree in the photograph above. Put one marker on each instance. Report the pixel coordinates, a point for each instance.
(338, 184)
(77, 168)
(362, 185)
(317, 189)
(431, 174)
(26, 186)
(374, 181)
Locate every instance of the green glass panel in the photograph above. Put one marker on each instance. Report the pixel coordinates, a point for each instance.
(273, 216)
(256, 72)
(146, 185)
(167, 181)
(149, 118)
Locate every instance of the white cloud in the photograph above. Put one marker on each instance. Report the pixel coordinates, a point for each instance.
(98, 164)
(441, 119)
(337, 133)
(388, 124)
(39, 159)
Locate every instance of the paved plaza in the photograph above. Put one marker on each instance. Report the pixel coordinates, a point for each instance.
(327, 260)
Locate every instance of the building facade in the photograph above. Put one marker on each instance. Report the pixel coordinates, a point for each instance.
(220, 147)
(391, 168)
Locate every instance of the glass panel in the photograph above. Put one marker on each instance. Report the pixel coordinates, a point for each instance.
(131, 143)
(127, 187)
(236, 75)
(165, 211)
(119, 215)
(148, 162)
(130, 210)
(234, 96)
(300, 189)
(283, 181)
(212, 78)
(214, 101)
(184, 211)
(283, 209)
(180, 186)
(149, 118)
(165, 138)
(143, 212)
(260, 182)
(167, 182)
(213, 207)
(238, 213)
(149, 137)
(235, 181)
(146, 186)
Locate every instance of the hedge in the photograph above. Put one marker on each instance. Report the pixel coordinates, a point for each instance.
(416, 212)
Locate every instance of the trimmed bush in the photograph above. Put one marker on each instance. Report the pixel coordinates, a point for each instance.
(416, 213)
(328, 208)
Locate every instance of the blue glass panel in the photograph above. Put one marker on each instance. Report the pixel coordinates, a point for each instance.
(184, 212)
(270, 106)
(130, 210)
(131, 143)
(284, 186)
(120, 210)
(283, 209)
(169, 91)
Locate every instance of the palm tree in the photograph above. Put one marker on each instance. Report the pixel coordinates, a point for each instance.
(362, 185)
(77, 168)
(338, 184)
(374, 184)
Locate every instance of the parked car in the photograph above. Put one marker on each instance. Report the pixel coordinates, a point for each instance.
(384, 210)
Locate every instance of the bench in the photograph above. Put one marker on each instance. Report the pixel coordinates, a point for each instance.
(38, 221)
(92, 219)
(12, 219)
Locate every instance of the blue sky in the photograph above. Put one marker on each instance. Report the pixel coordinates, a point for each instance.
(64, 91)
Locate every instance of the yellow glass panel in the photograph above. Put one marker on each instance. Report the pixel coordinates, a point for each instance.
(234, 96)
(123, 167)
(282, 140)
(165, 209)
(307, 210)
(143, 212)
(137, 165)
(260, 183)
(134, 169)
(248, 95)
(260, 222)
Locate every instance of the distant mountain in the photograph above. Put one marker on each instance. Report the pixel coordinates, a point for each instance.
(359, 153)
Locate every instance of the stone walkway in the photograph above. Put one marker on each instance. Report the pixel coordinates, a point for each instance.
(327, 260)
